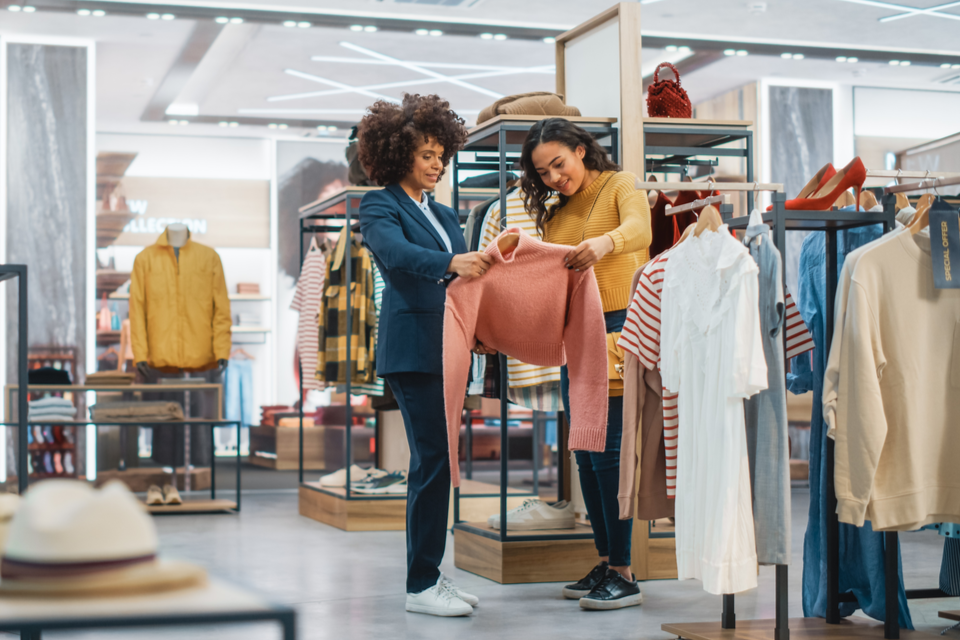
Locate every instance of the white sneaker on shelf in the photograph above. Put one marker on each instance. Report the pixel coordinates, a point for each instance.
(441, 599)
(470, 599)
(536, 515)
(338, 479)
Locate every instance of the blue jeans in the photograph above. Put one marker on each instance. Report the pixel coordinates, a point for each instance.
(238, 397)
(600, 473)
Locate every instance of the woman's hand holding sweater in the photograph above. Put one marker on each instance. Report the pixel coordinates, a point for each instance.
(470, 265)
(589, 252)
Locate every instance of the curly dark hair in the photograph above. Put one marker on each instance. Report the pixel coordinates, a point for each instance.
(535, 192)
(390, 134)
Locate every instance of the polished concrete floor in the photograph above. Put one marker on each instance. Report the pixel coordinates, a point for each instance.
(350, 585)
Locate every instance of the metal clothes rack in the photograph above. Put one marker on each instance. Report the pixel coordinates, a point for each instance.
(495, 143)
(317, 217)
(19, 271)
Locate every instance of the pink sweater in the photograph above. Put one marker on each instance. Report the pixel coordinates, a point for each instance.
(530, 306)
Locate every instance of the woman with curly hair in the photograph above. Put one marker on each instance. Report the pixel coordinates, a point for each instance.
(419, 247)
(607, 222)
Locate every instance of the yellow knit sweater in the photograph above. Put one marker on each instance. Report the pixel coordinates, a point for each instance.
(622, 213)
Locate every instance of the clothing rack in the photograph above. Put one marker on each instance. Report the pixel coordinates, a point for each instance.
(923, 185)
(697, 205)
(310, 214)
(19, 271)
(708, 186)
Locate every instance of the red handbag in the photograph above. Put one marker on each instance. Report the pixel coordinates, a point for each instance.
(666, 98)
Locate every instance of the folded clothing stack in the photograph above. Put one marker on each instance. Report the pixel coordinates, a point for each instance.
(248, 288)
(109, 378)
(268, 413)
(51, 410)
(147, 410)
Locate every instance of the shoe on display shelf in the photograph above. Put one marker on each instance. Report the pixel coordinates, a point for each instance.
(536, 515)
(586, 584)
(613, 592)
(48, 462)
(338, 479)
(154, 496)
(171, 495)
(37, 435)
(389, 483)
(56, 463)
(439, 600)
(470, 599)
(68, 434)
(68, 462)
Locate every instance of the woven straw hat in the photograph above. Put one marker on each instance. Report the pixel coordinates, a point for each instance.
(68, 539)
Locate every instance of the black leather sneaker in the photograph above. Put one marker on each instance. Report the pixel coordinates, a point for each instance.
(613, 592)
(579, 589)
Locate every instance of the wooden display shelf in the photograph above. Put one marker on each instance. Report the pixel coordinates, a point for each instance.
(800, 629)
(139, 479)
(282, 444)
(478, 549)
(950, 615)
(193, 506)
(373, 513)
(234, 297)
(479, 500)
(485, 134)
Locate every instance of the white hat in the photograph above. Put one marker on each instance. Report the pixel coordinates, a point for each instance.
(70, 539)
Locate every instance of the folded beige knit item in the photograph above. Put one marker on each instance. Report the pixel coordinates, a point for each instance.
(535, 103)
(148, 410)
(109, 378)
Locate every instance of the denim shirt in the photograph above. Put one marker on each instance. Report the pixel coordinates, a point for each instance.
(861, 549)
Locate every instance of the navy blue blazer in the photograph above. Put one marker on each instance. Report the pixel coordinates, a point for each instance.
(413, 261)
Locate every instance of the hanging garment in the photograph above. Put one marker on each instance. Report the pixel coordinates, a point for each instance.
(306, 301)
(519, 374)
(643, 462)
(661, 226)
(332, 364)
(541, 397)
(179, 307)
(712, 355)
(641, 337)
(768, 441)
(238, 392)
(897, 402)
(375, 388)
(474, 222)
(861, 568)
(950, 567)
(529, 305)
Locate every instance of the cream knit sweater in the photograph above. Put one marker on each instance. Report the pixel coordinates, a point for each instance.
(530, 306)
(897, 423)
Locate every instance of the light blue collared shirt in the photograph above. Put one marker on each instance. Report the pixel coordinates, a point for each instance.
(424, 205)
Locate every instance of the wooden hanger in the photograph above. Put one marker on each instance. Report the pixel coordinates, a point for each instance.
(846, 199)
(108, 353)
(652, 194)
(507, 242)
(709, 219)
(239, 351)
(902, 201)
(921, 219)
(687, 232)
(868, 200)
(925, 201)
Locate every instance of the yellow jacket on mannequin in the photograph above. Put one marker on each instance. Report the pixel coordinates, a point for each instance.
(179, 308)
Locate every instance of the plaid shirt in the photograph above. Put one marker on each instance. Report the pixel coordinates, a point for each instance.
(332, 362)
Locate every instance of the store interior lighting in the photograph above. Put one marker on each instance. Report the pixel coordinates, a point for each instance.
(83, 12)
(221, 20)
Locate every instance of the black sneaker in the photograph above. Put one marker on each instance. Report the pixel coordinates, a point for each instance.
(586, 585)
(613, 592)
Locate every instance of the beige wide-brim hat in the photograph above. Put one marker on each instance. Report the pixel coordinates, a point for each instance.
(70, 540)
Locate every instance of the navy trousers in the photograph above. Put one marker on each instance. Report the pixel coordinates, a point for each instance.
(420, 396)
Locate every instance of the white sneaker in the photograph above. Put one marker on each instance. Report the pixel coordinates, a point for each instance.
(534, 515)
(439, 600)
(470, 599)
(338, 479)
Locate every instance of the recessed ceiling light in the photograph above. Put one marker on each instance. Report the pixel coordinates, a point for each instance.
(98, 13)
(332, 128)
(14, 8)
(894, 63)
(369, 28)
(500, 36)
(283, 126)
(787, 56)
(853, 59)
(29, 9)
(671, 47)
(683, 49)
(304, 25)
(945, 65)
(798, 56)
(742, 52)
(486, 36)
(233, 125)
(221, 20)
(172, 122)
(236, 20)
(549, 40)
(272, 125)
(184, 122)
(289, 23)
(729, 52)
(904, 63)
(168, 16)
(422, 32)
(224, 123)
(955, 66)
(153, 16)
(436, 32)
(356, 27)
(83, 12)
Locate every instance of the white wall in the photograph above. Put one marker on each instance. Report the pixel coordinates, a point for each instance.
(903, 113)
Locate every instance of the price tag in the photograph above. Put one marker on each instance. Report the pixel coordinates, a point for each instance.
(945, 245)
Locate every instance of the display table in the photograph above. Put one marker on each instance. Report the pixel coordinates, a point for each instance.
(214, 604)
(800, 629)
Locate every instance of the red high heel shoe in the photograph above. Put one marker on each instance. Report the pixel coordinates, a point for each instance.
(852, 175)
(816, 182)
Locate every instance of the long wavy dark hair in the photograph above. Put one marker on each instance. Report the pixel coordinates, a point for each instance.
(535, 192)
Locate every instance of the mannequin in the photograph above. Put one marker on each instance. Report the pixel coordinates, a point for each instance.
(177, 235)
